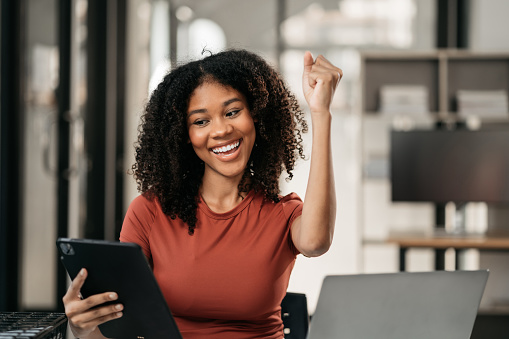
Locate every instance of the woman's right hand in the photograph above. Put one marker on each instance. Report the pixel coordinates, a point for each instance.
(83, 315)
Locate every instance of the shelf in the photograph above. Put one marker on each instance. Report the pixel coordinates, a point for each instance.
(442, 72)
(414, 71)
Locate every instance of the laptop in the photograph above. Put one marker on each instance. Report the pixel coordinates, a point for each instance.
(121, 268)
(416, 305)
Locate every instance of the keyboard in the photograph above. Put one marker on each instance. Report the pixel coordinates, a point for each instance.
(32, 325)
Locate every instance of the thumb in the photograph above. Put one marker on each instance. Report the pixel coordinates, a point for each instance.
(308, 61)
(308, 64)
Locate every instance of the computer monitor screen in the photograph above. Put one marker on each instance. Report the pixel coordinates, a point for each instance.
(443, 165)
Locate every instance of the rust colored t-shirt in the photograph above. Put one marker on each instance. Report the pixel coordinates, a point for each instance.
(229, 278)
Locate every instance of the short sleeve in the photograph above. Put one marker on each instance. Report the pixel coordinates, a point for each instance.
(292, 208)
(138, 222)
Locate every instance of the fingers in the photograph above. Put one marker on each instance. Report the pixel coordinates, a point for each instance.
(83, 324)
(319, 81)
(93, 317)
(86, 314)
(323, 70)
(101, 320)
(321, 61)
(89, 307)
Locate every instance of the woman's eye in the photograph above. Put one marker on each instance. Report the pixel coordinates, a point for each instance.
(232, 113)
(200, 122)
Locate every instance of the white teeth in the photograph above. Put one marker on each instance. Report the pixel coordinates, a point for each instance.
(226, 148)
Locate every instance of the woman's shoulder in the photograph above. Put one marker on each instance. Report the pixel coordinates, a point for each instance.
(290, 197)
(146, 204)
(144, 199)
(290, 203)
(139, 220)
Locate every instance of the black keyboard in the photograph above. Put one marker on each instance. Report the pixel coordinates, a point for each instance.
(33, 325)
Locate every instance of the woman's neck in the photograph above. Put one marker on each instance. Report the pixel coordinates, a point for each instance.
(221, 195)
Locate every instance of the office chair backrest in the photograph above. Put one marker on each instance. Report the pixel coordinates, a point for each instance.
(294, 311)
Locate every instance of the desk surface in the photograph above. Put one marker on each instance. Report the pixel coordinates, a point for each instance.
(450, 241)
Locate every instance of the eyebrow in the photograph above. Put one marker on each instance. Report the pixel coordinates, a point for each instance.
(204, 110)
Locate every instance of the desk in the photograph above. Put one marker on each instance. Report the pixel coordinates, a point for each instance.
(489, 323)
(441, 243)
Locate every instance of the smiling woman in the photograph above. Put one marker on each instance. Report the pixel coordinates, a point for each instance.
(173, 171)
(215, 137)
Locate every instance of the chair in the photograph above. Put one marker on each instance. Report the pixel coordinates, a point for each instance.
(294, 312)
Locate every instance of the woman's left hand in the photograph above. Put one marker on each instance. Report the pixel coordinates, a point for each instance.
(319, 82)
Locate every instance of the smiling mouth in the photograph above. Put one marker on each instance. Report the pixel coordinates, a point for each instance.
(227, 149)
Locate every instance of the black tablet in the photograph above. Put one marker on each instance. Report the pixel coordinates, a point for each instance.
(122, 268)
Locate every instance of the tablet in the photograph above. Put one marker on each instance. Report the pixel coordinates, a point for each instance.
(124, 269)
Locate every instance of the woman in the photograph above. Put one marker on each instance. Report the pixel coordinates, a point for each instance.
(214, 139)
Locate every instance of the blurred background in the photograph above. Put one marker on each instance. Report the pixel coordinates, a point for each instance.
(76, 74)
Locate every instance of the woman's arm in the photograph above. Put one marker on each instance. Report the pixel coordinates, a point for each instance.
(313, 231)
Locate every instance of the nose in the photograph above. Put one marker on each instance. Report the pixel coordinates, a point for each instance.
(220, 128)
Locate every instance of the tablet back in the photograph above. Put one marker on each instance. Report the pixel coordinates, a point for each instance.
(418, 305)
(121, 268)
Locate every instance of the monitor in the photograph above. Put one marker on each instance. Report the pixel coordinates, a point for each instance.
(459, 165)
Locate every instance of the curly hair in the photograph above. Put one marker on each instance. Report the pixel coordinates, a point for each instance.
(167, 168)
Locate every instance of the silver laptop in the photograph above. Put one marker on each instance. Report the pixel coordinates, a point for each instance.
(406, 305)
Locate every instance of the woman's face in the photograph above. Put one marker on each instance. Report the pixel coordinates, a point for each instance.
(220, 129)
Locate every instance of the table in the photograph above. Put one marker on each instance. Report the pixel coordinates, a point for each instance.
(440, 243)
(489, 324)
